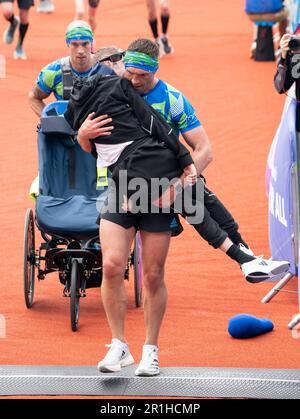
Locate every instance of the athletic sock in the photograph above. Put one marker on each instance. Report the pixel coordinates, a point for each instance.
(236, 238)
(11, 19)
(164, 23)
(22, 32)
(238, 255)
(153, 25)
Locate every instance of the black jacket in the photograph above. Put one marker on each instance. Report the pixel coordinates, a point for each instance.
(288, 73)
(133, 119)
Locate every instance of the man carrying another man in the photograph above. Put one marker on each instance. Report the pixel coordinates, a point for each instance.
(218, 226)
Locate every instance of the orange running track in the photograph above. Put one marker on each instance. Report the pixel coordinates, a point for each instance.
(238, 106)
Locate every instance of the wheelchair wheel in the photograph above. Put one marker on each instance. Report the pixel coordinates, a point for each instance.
(137, 266)
(75, 285)
(29, 258)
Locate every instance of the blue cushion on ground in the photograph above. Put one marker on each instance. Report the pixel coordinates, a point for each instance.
(263, 6)
(244, 326)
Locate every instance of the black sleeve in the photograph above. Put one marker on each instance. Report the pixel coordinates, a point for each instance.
(72, 112)
(283, 79)
(155, 125)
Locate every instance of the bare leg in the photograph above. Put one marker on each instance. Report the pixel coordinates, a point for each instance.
(79, 7)
(115, 255)
(24, 16)
(164, 7)
(154, 253)
(226, 245)
(93, 5)
(7, 9)
(151, 8)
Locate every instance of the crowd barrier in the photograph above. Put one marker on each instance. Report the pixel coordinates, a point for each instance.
(282, 183)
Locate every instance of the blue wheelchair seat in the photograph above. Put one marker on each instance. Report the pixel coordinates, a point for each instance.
(68, 203)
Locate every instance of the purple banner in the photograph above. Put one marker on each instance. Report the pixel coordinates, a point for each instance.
(281, 158)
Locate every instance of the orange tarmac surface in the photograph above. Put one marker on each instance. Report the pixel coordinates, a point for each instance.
(240, 110)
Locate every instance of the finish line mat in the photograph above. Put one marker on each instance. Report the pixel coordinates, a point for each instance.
(173, 381)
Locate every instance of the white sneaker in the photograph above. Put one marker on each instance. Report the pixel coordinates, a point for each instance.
(19, 53)
(259, 269)
(160, 47)
(149, 362)
(168, 49)
(246, 250)
(117, 357)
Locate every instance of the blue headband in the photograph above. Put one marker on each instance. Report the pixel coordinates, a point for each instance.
(79, 34)
(142, 61)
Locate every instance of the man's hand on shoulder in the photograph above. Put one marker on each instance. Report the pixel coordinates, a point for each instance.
(95, 127)
(92, 128)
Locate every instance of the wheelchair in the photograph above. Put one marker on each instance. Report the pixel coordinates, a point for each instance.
(68, 200)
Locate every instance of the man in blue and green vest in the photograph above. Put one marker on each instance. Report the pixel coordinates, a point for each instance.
(57, 77)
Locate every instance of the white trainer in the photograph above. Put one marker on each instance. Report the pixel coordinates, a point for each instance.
(160, 47)
(117, 357)
(168, 49)
(19, 53)
(148, 366)
(246, 250)
(259, 269)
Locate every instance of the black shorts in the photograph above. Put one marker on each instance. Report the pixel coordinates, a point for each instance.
(147, 160)
(153, 223)
(22, 4)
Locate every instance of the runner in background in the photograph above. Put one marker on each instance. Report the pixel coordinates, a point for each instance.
(14, 21)
(162, 41)
(92, 10)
